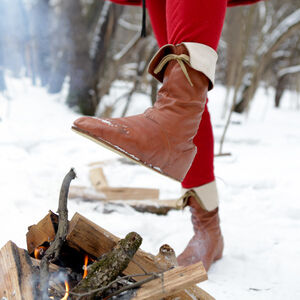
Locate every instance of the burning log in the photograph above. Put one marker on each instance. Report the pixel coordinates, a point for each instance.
(110, 265)
(71, 245)
(42, 233)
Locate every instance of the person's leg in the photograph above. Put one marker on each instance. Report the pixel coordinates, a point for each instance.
(187, 72)
(200, 22)
(202, 170)
(157, 13)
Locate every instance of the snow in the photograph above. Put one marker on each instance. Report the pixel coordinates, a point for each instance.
(258, 186)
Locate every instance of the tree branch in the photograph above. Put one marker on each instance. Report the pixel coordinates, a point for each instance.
(53, 251)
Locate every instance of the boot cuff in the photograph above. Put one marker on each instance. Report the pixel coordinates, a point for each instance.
(202, 58)
(207, 195)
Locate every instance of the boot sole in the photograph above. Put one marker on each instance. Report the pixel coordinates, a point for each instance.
(119, 151)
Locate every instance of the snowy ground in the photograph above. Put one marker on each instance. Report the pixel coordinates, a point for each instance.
(258, 183)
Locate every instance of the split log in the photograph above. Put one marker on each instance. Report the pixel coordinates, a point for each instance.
(87, 236)
(166, 258)
(113, 193)
(152, 205)
(91, 238)
(18, 278)
(109, 266)
(41, 233)
(173, 281)
(98, 178)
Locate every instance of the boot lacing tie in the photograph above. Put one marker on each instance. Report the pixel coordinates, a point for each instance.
(181, 59)
(182, 202)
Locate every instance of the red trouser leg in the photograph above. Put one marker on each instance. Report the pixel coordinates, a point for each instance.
(200, 21)
(202, 168)
(157, 13)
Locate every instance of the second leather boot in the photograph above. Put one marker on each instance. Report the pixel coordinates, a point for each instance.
(162, 137)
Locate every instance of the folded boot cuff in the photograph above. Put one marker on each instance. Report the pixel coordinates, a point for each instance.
(207, 195)
(204, 59)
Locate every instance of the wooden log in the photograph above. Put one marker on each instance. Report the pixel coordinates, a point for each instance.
(94, 240)
(43, 231)
(126, 193)
(97, 178)
(160, 207)
(173, 281)
(113, 193)
(166, 259)
(17, 276)
(109, 266)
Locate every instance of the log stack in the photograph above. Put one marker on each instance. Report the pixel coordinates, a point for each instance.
(149, 276)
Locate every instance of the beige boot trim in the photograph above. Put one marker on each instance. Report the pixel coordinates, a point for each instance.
(207, 195)
(201, 58)
(204, 59)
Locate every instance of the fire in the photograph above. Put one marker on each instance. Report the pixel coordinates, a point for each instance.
(86, 260)
(65, 297)
(39, 251)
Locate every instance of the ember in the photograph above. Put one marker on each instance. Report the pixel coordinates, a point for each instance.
(39, 252)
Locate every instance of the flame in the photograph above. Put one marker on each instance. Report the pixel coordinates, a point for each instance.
(65, 297)
(86, 260)
(39, 251)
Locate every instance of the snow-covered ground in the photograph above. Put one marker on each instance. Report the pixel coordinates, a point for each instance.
(258, 183)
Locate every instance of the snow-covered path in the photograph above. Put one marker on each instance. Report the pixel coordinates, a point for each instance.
(258, 183)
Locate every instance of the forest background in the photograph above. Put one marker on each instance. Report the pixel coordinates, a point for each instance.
(91, 45)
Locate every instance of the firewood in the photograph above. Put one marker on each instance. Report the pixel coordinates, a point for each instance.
(110, 265)
(97, 178)
(18, 278)
(166, 259)
(85, 235)
(173, 281)
(42, 232)
(152, 205)
(91, 238)
(113, 193)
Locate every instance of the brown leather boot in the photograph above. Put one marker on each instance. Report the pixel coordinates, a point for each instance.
(162, 137)
(207, 243)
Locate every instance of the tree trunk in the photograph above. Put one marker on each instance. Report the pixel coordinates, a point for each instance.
(280, 87)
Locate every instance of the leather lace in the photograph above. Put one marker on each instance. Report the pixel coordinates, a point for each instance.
(182, 202)
(181, 59)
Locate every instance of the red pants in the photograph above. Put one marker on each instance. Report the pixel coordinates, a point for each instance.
(200, 21)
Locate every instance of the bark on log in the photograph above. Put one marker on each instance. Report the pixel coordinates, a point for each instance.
(102, 272)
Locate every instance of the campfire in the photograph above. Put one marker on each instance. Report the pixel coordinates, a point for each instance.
(78, 259)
